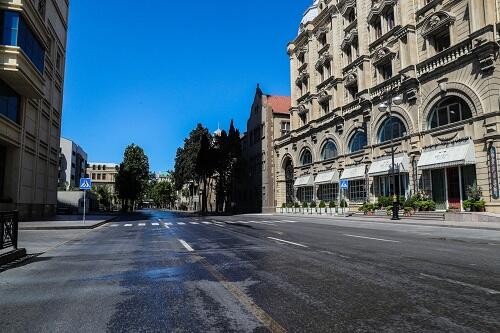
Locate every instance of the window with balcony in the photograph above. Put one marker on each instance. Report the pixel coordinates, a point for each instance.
(440, 41)
(9, 102)
(358, 142)
(16, 32)
(392, 128)
(450, 110)
(385, 70)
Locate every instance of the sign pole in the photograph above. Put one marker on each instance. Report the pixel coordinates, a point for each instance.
(84, 204)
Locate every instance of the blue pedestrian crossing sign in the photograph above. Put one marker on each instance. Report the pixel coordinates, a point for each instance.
(344, 183)
(85, 184)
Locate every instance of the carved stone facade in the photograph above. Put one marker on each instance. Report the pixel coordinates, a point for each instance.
(433, 66)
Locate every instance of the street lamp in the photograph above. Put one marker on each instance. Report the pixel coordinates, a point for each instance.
(386, 107)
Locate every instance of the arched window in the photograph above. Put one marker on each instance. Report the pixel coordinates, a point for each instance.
(449, 110)
(392, 128)
(329, 150)
(289, 181)
(306, 157)
(358, 142)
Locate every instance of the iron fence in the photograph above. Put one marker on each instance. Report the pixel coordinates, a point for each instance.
(8, 229)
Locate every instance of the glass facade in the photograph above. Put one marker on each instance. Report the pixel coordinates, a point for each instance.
(450, 110)
(16, 32)
(392, 128)
(384, 185)
(358, 142)
(328, 192)
(329, 150)
(305, 194)
(357, 190)
(9, 102)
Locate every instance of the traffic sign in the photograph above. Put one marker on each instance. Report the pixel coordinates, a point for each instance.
(344, 183)
(85, 184)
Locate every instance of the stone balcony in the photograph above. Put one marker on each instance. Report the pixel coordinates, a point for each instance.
(31, 15)
(17, 70)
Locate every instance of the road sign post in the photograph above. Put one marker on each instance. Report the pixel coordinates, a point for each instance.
(344, 185)
(85, 185)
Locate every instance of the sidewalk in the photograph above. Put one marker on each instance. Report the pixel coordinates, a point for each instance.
(403, 221)
(65, 222)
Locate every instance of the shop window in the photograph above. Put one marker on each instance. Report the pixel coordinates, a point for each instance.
(450, 110)
(306, 157)
(357, 190)
(329, 150)
(305, 194)
(384, 185)
(392, 128)
(328, 192)
(358, 142)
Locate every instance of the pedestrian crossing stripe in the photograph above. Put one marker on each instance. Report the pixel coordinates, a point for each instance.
(218, 223)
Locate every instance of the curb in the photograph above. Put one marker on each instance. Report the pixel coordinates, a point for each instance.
(72, 227)
(403, 222)
(12, 256)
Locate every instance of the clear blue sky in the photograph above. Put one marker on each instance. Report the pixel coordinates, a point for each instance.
(149, 73)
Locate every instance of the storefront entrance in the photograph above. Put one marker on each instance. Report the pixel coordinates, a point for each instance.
(449, 186)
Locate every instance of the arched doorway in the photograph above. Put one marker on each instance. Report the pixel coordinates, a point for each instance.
(288, 165)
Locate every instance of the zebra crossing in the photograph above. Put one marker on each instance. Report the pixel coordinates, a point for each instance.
(162, 224)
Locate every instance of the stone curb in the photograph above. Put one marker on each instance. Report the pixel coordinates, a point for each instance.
(70, 227)
(12, 256)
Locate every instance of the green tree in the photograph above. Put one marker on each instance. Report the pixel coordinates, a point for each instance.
(132, 177)
(163, 195)
(204, 168)
(185, 160)
(104, 196)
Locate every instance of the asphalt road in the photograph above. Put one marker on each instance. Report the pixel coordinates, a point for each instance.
(161, 272)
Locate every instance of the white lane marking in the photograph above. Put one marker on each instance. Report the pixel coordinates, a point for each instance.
(262, 222)
(128, 225)
(181, 223)
(289, 221)
(186, 245)
(246, 222)
(205, 222)
(219, 225)
(167, 223)
(486, 290)
(378, 239)
(155, 224)
(193, 222)
(142, 224)
(285, 241)
(166, 226)
(114, 225)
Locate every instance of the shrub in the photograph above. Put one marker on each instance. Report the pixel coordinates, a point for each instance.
(343, 203)
(322, 204)
(312, 204)
(304, 205)
(367, 207)
(389, 210)
(384, 201)
(296, 205)
(283, 205)
(332, 204)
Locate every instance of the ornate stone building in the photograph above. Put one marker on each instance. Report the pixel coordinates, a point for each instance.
(269, 119)
(422, 74)
(32, 63)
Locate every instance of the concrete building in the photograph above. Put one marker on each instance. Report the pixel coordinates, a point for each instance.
(103, 174)
(269, 119)
(434, 64)
(72, 164)
(32, 62)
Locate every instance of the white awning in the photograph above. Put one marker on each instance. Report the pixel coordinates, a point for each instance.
(383, 166)
(354, 172)
(448, 155)
(302, 181)
(327, 177)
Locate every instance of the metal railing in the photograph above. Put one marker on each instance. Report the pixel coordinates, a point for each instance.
(8, 229)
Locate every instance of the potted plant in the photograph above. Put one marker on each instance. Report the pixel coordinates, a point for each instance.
(408, 211)
(305, 207)
(475, 203)
(322, 205)
(332, 204)
(388, 210)
(313, 207)
(296, 205)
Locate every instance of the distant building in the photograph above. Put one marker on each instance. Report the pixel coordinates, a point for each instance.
(32, 63)
(103, 174)
(269, 119)
(72, 164)
(162, 176)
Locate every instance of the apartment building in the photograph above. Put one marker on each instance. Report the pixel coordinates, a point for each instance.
(269, 119)
(422, 75)
(103, 174)
(32, 62)
(72, 164)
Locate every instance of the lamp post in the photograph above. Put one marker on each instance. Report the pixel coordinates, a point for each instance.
(386, 107)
